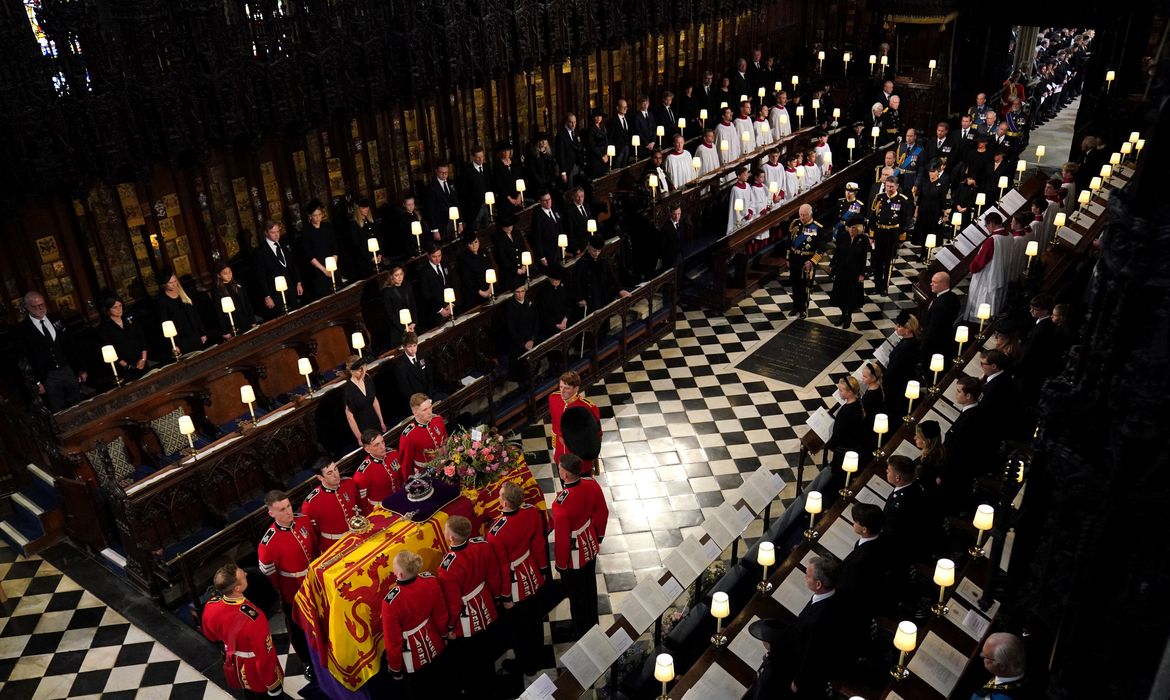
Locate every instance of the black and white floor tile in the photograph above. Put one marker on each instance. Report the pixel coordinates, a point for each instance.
(681, 425)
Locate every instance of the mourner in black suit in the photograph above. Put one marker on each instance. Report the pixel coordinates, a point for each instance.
(434, 277)
(966, 446)
(547, 226)
(174, 305)
(621, 128)
(1044, 348)
(740, 84)
(508, 247)
(646, 127)
(474, 182)
(523, 324)
(596, 146)
(569, 150)
(556, 305)
(471, 264)
(910, 526)
(438, 198)
(938, 337)
(863, 584)
(412, 373)
(670, 238)
(1001, 398)
(667, 117)
(50, 354)
(577, 216)
(275, 259)
(849, 270)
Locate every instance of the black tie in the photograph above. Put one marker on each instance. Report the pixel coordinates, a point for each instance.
(445, 190)
(45, 329)
(623, 118)
(670, 115)
(582, 208)
(280, 256)
(439, 271)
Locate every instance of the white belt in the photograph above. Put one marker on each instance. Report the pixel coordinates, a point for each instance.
(515, 579)
(407, 656)
(420, 463)
(409, 632)
(575, 550)
(294, 574)
(464, 617)
(521, 560)
(474, 592)
(329, 536)
(588, 524)
(245, 654)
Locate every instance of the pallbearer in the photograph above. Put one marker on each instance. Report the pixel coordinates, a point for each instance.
(251, 663)
(579, 515)
(426, 432)
(414, 621)
(519, 537)
(470, 578)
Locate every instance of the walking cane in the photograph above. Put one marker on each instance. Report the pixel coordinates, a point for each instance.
(582, 334)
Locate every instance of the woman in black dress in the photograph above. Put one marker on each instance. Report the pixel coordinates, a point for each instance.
(596, 141)
(120, 331)
(928, 439)
(932, 202)
(903, 365)
(543, 167)
(227, 286)
(505, 172)
(508, 245)
(873, 398)
(362, 410)
(849, 270)
(470, 265)
(362, 228)
(397, 296)
(174, 305)
(319, 245)
(849, 430)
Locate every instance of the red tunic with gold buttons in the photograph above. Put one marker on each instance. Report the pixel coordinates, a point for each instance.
(414, 619)
(520, 538)
(378, 478)
(418, 441)
(556, 408)
(470, 578)
(251, 662)
(331, 509)
(579, 515)
(285, 553)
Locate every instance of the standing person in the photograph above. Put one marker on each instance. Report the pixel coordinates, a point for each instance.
(904, 362)
(806, 240)
(426, 432)
(938, 337)
(475, 182)
(412, 374)
(397, 296)
(670, 239)
(380, 473)
(434, 279)
(873, 398)
(519, 537)
(930, 206)
(319, 244)
(275, 259)
(226, 285)
(849, 271)
(567, 395)
(645, 127)
(892, 212)
(850, 433)
(570, 153)
(284, 554)
(679, 166)
(332, 502)
(596, 145)
(438, 198)
(414, 623)
(620, 131)
(362, 410)
(362, 228)
(522, 324)
(119, 330)
(989, 269)
(42, 343)
(251, 664)
(579, 516)
(555, 303)
(505, 173)
(508, 247)
(176, 306)
(469, 576)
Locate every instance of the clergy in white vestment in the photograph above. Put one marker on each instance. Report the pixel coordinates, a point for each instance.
(740, 192)
(989, 269)
(708, 153)
(678, 164)
(727, 139)
(778, 117)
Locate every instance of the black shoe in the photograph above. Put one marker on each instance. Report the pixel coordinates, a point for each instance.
(803, 314)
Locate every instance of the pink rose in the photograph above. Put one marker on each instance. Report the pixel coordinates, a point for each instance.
(449, 470)
(475, 444)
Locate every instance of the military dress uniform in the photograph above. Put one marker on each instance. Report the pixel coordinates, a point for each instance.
(556, 408)
(251, 664)
(579, 515)
(418, 441)
(520, 538)
(470, 578)
(284, 555)
(891, 219)
(1002, 690)
(845, 210)
(330, 510)
(805, 245)
(376, 479)
(414, 620)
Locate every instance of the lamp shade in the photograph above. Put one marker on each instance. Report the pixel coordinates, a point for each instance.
(800, 110)
(1003, 182)
(796, 81)
(1141, 143)
(525, 258)
(851, 143)
(372, 243)
(280, 284)
(983, 312)
(169, 330)
(720, 605)
(746, 136)
(980, 199)
(1058, 220)
(703, 114)
(416, 228)
(664, 668)
(1095, 184)
(448, 296)
(520, 186)
(563, 241)
(489, 276)
(912, 389)
(881, 424)
(696, 163)
(956, 219)
(885, 60)
(660, 131)
(404, 317)
(1110, 76)
(591, 225)
(247, 394)
(186, 425)
(820, 55)
(611, 150)
(836, 112)
(109, 354)
(490, 197)
(1115, 158)
(228, 305)
(1040, 151)
(304, 367)
(933, 64)
(816, 104)
(872, 59)
(358, 341)
(931, 240)
(984, 517)
(849, 464)
(937, 362)
(813, 503)
(766, 555)
(761, 92)
(773, 187)
(653, 181)
(1106, 171)
(723, 145)
(944, 573)
(1021, 166)
(738, 204)
(906, 636)
(962, 334)
(635, 141)
(331, 263)
(847, 57)
(1134, 136)
(1032, 249)
(1084, 197)
(875, 132)
(453, 213)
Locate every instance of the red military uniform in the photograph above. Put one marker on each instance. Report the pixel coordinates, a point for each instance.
(414, 619)
(251, 662)
(470, 578)
(556, 408)
(579, 516)
(520, 538)
(377, 479)
(331, 509)
(418, 441)
(285, 553)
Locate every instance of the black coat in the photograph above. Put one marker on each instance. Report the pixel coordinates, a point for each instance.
(850, 429)
(596, 282)
(1041, 357)
(576, 224)
(667, 118)
(437, 204)
(187, 322)
(938, 336)
(910, 524)
(967, 453)
(506, 250)
(430, 295)
(504, 179)
(862, 583)
(523, 324)
(1001, 403)
(319, 243)
(128, 342)
(45, 354)
(569, 151)
(903, 367)
(471, 268)
(850, 264)
(472, 186)
(413, 378)
(268, 268)
(596, 141)
(545, 232)
(394, 299)
(554, 304)
(670, 238)
(619, 136)
(646, 127)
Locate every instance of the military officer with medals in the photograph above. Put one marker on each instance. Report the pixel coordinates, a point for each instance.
(804, 250)
(579, 516)
(414, 623)
(567, 395)
(891, 118)
(470, 578)
(849, 270)
(906, 161)
(251, 664)
(520, 539)
(891, 212)
(380, 473)
(332, 503)
(425, 433)
(847, 207)
(285, 551)
(1005, 658)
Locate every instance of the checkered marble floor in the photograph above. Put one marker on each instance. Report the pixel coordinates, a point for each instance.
(681, 424)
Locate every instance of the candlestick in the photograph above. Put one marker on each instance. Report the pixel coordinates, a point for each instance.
(228, 305)
(489, 276)
(280, 284)
(937, 363)
(521, 186)
(187, 429)
(526, 261)
(110, 356)
(563, 243)
(846, 57)
(1003, 183)
(961, 336)
(696, 163)
(905, 640)
(956, 222)
(636, 143)
(1031, 250)
(821, 61)
(849, 465)
(765, 557)
(738, 206)
(1109, 77)
(812, 505)
(653, 182)
(331, 268)
(720, 608)
(489, 198)
(660, 131)
(881, 426)
(983, 521)
(703, 116)
(449, 300)
(795, 81)
(1040, 151)
(611, 153)
(885, 61)
(980, 200)
(944, 576)
(816, 105)
(453, 215)
(405, 319)
(799, 115)
(1021, 168)
(664, 672)
(851, 143)
(248, 397)
(872, 63)
(1083, 199)
(932, 65)
(875, 132)
(912, 389)
(372, 246)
